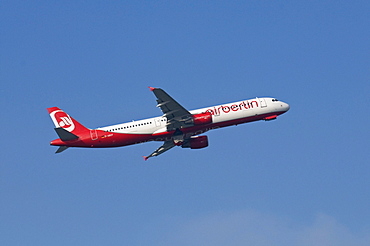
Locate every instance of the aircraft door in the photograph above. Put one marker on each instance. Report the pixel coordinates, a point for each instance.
(263, 102)
(157, 122)
(94, 134)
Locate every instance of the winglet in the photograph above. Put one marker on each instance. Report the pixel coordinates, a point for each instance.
(151, 88)
(145, 158)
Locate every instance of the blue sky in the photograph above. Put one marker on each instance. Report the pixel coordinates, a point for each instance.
(300, 180)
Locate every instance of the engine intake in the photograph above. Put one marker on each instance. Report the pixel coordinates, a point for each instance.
(196, 142)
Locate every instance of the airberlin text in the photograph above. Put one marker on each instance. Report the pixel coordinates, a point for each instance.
(232, 108)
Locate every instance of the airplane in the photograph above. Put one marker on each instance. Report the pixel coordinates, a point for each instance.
(176, 127)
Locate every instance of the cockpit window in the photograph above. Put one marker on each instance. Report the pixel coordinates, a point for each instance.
(275, 100)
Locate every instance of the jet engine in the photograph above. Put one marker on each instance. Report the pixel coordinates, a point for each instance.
(196, 142)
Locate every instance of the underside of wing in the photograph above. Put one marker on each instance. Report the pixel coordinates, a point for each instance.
(167, 145)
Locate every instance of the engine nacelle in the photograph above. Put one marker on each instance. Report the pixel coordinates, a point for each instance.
(196, 142)
(202, 119)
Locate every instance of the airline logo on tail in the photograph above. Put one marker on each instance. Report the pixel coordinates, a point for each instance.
(63, 120)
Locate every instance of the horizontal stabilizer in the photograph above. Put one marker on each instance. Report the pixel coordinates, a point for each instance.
(65, 135)
(61, 149)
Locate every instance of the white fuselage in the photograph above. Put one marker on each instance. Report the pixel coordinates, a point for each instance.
(222, 115)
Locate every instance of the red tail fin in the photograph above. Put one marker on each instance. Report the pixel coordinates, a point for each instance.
(63, 120)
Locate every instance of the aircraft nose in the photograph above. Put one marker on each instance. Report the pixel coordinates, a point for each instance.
(283, 106)
(286, 107)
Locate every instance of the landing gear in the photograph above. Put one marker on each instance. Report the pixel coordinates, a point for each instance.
(178, 137)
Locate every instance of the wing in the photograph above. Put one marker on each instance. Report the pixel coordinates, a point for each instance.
(166, 146)
(177, 116)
